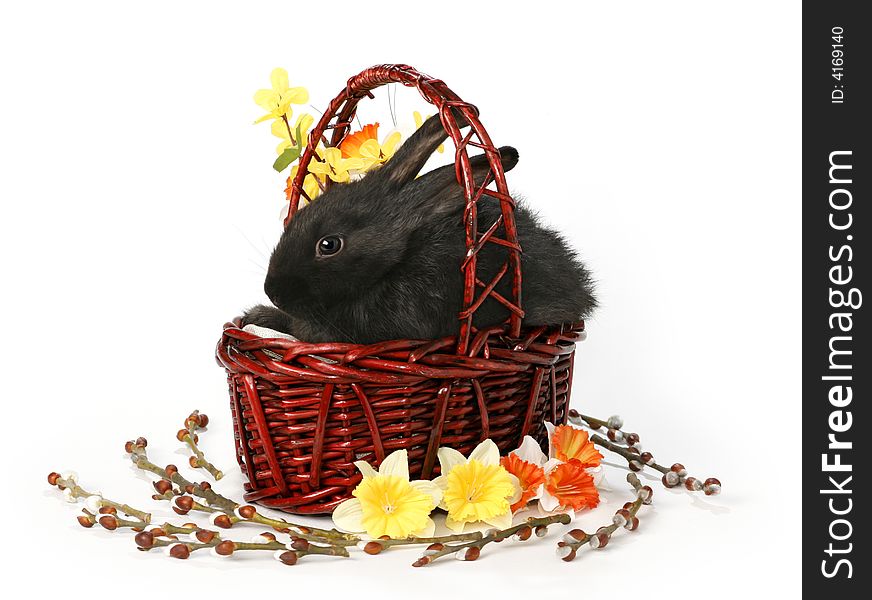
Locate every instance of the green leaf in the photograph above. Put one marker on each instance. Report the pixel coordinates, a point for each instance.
(286, 158)
(299, 138)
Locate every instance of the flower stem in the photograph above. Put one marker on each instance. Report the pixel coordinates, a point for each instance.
(288, 125)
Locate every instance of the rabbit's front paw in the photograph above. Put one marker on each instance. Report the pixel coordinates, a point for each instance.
(267, 316)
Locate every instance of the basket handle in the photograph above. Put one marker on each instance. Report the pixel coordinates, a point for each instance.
(343, 109)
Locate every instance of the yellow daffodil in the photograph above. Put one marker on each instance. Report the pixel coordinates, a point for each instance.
(387, 503)
(419, 120)
(364, 145)
(277, 101)
(280, 130)
(332, 165)
(476, 490)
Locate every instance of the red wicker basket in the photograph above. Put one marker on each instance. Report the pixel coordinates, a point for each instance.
(303, 413)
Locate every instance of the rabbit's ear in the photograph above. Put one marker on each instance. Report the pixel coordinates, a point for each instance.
(436, 186)
(411, 156)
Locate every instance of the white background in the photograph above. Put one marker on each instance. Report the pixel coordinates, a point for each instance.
(138, 201)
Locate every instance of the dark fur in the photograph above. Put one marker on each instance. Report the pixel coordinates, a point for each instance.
(398, 274)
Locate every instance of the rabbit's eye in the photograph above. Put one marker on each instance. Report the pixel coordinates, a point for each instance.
(328, 245)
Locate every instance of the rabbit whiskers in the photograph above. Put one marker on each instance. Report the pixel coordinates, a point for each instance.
(319, 314)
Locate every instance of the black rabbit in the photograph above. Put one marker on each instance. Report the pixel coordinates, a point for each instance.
(379, 258)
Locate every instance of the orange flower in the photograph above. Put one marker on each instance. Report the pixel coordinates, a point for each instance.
(364, 146)
(350, 146)
(569, 443)
(530, 477)
(571, 486)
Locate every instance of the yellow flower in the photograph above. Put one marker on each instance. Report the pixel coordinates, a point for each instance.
(476, 489)
(277, 101)
(364, 145)
(280, 130)
(310, 184)
(372, 153)
(387, 503)
(419, 120)
(332, 165)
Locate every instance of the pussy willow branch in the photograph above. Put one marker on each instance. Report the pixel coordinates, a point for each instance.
(108, 520)
(111, 521)
(233, 511)
(193, 423)
(166, 535)
(471, 550)
(139, 457)
(624, 517)
(439, 539)
(637, 460)
(200, 539)
(621, 450)
(172, 494)
(232, 546)
(71, 488)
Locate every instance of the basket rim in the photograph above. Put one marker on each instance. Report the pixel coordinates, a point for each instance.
(394, 362)
(418, 350)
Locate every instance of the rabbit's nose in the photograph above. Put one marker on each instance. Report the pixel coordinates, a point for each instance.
(271, 287)
(284, 290)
